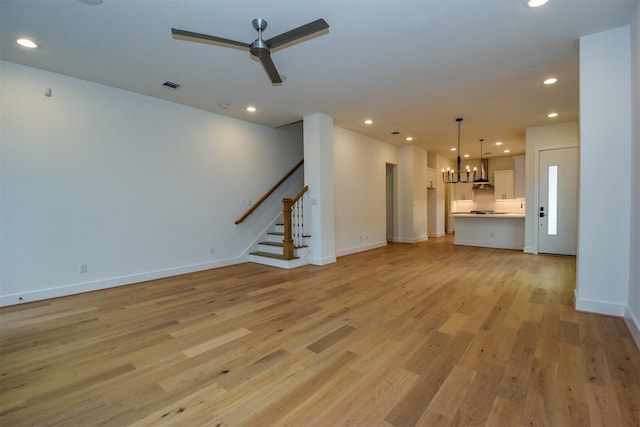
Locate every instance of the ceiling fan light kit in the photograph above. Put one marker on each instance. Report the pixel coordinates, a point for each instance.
(260, 48)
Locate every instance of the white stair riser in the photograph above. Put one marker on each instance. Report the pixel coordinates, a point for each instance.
(279, 250)
(274, 238)
(270, 249)
(278, 239)
(280, 228)
(278, 262)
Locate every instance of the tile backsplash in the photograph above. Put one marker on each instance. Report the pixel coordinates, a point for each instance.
(484, 200)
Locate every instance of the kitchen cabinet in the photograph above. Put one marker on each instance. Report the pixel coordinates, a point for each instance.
(431, 178)
(463, 191)
(519, 181)
(504, 231)
(503, 185)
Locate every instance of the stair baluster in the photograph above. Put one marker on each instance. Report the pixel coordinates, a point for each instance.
(287, 241)
(293, 223)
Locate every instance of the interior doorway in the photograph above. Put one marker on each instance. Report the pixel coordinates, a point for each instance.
(391, 177)
(558, 201)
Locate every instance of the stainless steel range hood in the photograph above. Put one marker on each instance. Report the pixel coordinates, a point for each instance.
(483, 181)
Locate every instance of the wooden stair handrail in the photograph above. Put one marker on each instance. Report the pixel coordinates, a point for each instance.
(268, 193)
(300, 194)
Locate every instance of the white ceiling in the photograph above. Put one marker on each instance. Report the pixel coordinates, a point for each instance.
(411, 66)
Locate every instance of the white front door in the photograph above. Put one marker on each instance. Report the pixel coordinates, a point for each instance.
(558, 201)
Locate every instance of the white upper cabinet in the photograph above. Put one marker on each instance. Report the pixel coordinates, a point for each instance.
(519, 180)
(463, 191)
(503, 185)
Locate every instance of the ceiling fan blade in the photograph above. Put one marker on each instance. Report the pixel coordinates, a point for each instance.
(298, 33)
(205, 38)
(270, 68)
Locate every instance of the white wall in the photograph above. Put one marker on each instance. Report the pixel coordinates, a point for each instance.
(319, 177)
(419, 194)
(412, 173)
(135, 187)
(440, 193)
(633, 305)
(539, 138)
(605, 131)
(500, 164)
(360, 190)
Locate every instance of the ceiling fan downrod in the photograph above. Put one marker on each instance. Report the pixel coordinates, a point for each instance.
(259, 48)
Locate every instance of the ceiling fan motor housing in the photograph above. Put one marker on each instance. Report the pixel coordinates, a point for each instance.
(260, 48)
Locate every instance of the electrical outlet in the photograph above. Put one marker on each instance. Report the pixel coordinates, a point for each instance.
(211, 251)
(83, 268)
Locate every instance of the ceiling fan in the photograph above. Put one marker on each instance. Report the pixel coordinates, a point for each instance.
(260, 48)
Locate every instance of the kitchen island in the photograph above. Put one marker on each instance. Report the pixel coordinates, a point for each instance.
(492, 230)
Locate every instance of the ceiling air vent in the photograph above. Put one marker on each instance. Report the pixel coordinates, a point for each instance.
(171, 85)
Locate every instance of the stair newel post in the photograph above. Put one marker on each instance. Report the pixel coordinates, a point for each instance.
(288, 232)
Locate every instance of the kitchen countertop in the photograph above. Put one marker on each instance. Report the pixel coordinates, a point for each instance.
(488, 215)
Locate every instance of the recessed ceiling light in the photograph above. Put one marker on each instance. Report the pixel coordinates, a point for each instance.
(251, 109)
(466, 155)
(27, 43)
(368, 122)
(225, 106)
(507, 151)
(536, 3)
(409, 138)
(552, 115)
(499, 143)
(453, 149)
(550, 81)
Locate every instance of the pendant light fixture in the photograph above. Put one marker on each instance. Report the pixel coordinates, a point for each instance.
(454, 176)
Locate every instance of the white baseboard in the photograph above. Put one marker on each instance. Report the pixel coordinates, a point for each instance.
(633, 324)
(78, 288)
(322, 261)
(363, 248)
(411, 239)
(618, 310)
(600, 307)
(438, 234)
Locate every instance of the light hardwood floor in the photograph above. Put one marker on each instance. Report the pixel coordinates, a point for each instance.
(424, 334)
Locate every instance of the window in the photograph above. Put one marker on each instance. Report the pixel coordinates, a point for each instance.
(552, 203)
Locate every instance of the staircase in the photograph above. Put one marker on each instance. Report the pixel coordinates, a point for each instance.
(271, 250)
(286, 245)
